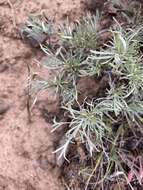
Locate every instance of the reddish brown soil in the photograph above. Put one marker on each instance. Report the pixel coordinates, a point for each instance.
(26, 159)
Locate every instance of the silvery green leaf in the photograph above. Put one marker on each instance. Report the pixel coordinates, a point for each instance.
(51, 61)
(120, 42)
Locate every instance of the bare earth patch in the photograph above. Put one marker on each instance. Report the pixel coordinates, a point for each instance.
(26, 159)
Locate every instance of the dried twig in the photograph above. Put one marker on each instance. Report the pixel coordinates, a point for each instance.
(13, 13)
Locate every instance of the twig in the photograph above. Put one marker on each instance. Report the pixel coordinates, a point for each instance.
(28, 94)
(95, 168)
(13, 12)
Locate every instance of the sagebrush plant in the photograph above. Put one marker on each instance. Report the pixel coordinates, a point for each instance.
(73, 63)
(84, 123)
(37, 29)
(84, 35)
(102, 124)
(35, 25)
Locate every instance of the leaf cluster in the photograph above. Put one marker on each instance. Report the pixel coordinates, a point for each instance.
(95, 123)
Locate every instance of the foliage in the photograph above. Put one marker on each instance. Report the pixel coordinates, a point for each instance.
(94, 123)
(85, 33)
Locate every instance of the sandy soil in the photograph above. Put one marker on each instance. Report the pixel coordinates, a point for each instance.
(26, 159)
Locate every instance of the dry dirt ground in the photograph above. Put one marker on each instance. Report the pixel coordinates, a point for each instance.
(25, 149)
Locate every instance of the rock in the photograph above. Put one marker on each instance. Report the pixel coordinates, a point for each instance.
(35, 39)
(3, 107)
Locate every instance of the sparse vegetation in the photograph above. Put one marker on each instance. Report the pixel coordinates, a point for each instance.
(104, 124)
